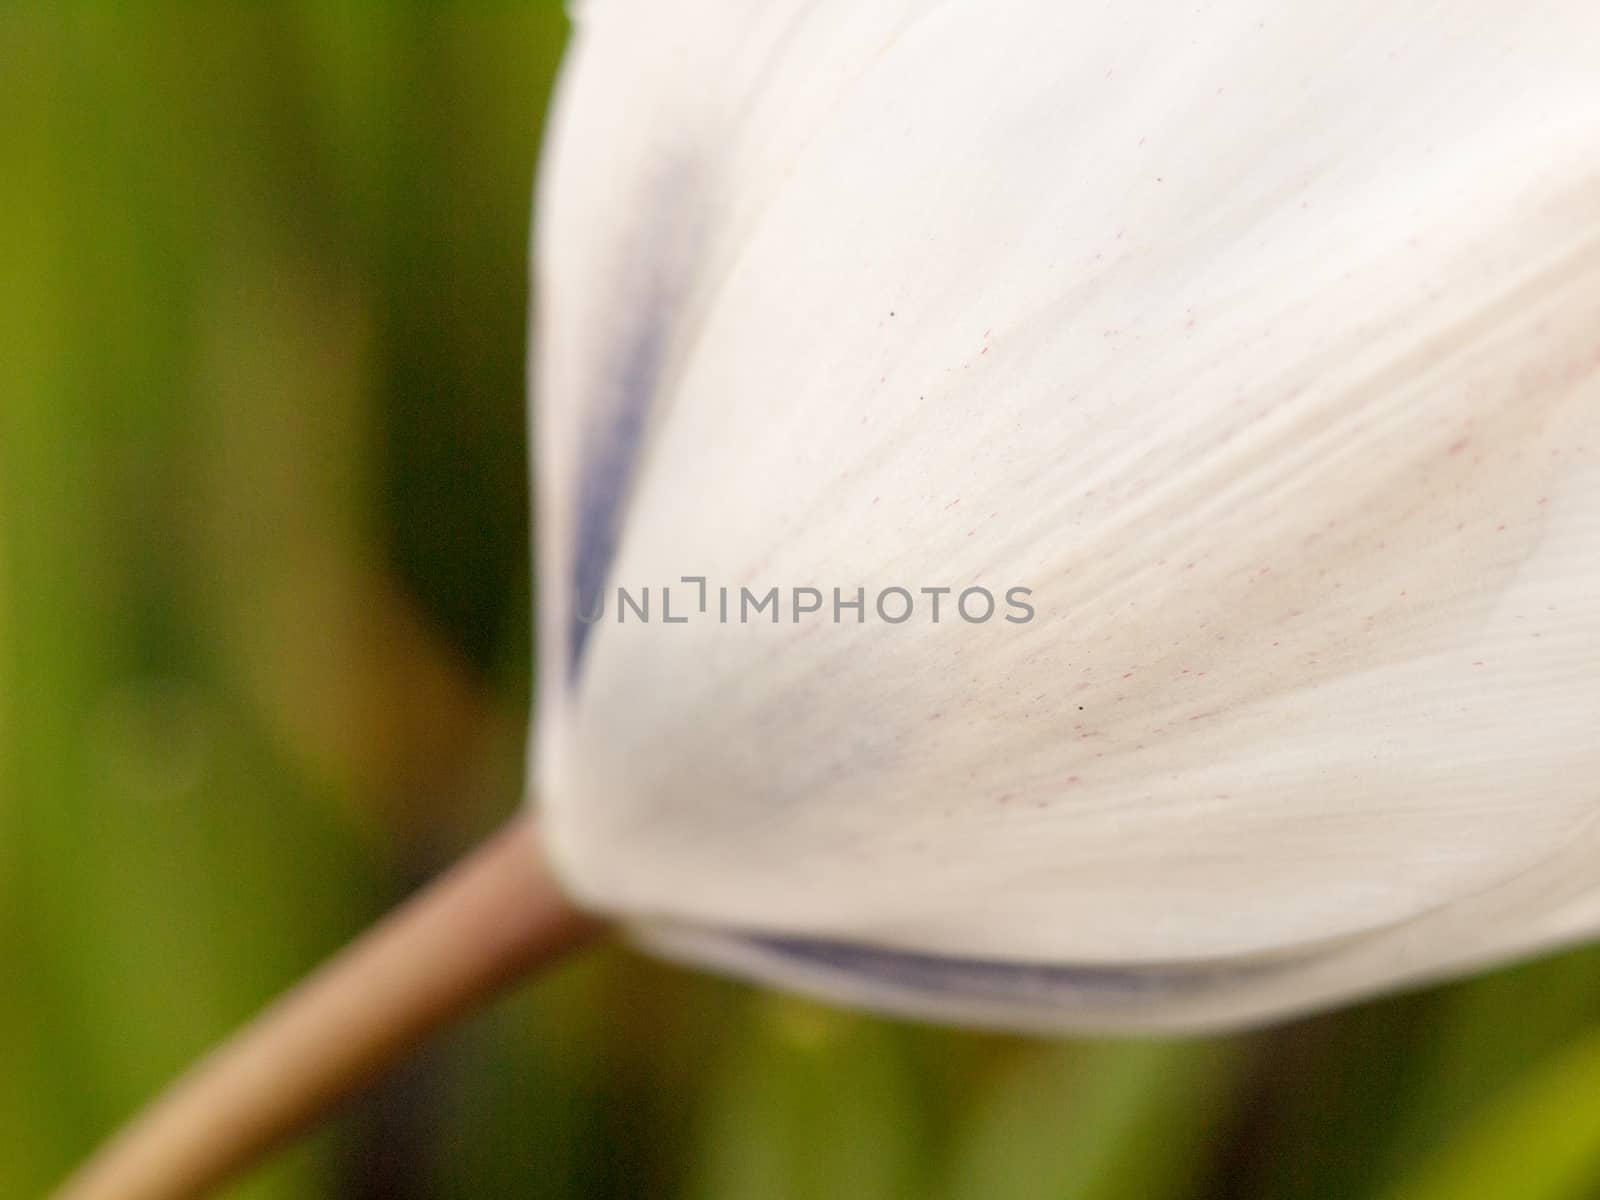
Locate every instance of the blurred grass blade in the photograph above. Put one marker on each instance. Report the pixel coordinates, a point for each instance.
(813, 1105)
(1098, 1122)
(1479, 1040)
(1538, 1141)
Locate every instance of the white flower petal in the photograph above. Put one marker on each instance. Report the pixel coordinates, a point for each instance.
(1264, 347)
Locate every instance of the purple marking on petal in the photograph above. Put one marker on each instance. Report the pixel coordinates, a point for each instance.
(653, 264)
(1016, 982)
(610, 458)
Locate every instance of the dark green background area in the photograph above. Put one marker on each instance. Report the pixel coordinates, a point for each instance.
(264, 657)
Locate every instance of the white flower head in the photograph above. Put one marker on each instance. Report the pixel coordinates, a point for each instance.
(1247, 356)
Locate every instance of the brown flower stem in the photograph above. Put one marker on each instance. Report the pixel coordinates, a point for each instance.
(488, 922)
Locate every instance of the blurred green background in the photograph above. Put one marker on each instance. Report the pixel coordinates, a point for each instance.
(264, 658)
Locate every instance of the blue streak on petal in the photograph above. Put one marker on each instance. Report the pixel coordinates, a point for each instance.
(1012, 982)
(609, 462)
